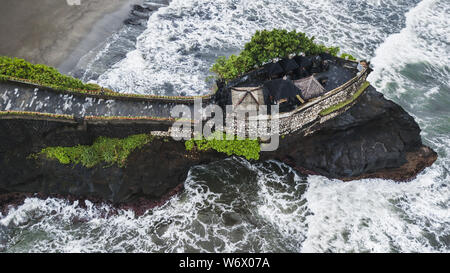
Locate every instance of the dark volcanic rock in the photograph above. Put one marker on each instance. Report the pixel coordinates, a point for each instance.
(142, 9)
(133, 22)
(375, 138)
(152, 173)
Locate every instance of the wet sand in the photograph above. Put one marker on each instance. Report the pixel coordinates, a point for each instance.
(49, 31)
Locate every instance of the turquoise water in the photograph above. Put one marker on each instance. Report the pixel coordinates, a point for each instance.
(235, 206)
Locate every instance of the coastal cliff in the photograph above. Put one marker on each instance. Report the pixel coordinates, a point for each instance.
(375, 138)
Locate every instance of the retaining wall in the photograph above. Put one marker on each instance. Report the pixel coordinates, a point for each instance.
(307, 114)
(154, 119)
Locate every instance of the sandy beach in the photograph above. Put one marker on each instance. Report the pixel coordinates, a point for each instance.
(49, 31)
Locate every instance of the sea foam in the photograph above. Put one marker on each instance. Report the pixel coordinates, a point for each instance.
(182, 41)
(234, 205)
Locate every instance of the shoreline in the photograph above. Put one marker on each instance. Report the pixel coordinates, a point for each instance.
(97, 36)
(403, 174)
(13, 200)
(57, 34)
(416, 162)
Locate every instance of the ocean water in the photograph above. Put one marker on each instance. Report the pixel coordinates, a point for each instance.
(236, 206)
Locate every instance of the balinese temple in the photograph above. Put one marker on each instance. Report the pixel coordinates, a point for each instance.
(242, 97)
(310, 88)
(289, 82)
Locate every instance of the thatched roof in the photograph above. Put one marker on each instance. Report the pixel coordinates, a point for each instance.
(273, 69)
(303, 61)
(244, 96)
(282, 92)
(310, 88)
(281, 89)
(288, 65)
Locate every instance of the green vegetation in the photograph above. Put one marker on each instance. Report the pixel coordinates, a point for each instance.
(39, 73)
(266, 46)
(35, 114)
(108, 150)
(247, 148)
(40, 115)
(343, 104)
(21, 70)
(348, 57)
(3, 78)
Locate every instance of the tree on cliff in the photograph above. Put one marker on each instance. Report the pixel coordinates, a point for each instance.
(266, 46)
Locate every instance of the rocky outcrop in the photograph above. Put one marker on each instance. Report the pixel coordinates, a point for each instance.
(375, 138)
(153, 172)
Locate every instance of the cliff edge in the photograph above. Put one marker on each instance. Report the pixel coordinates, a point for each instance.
(375, 138)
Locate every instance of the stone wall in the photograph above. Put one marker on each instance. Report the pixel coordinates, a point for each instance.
(41, 131)
(108, 94)
(291, 122)
(27, 98)
(375, 138)
(309, 113)
(305, 115)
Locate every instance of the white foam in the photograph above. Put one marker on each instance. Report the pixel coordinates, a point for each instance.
(274, 209)
(284, 215)
(425, 39)
(183, 40)
(377, 216)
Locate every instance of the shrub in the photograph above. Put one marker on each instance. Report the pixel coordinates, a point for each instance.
(39, 73)
(348, 57)
(93, 86)
(266, 46)
(247, 148)
(108, 150)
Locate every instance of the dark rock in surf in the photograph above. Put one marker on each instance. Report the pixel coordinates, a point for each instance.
(133, 22)
(140, 8)
(376, 138)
